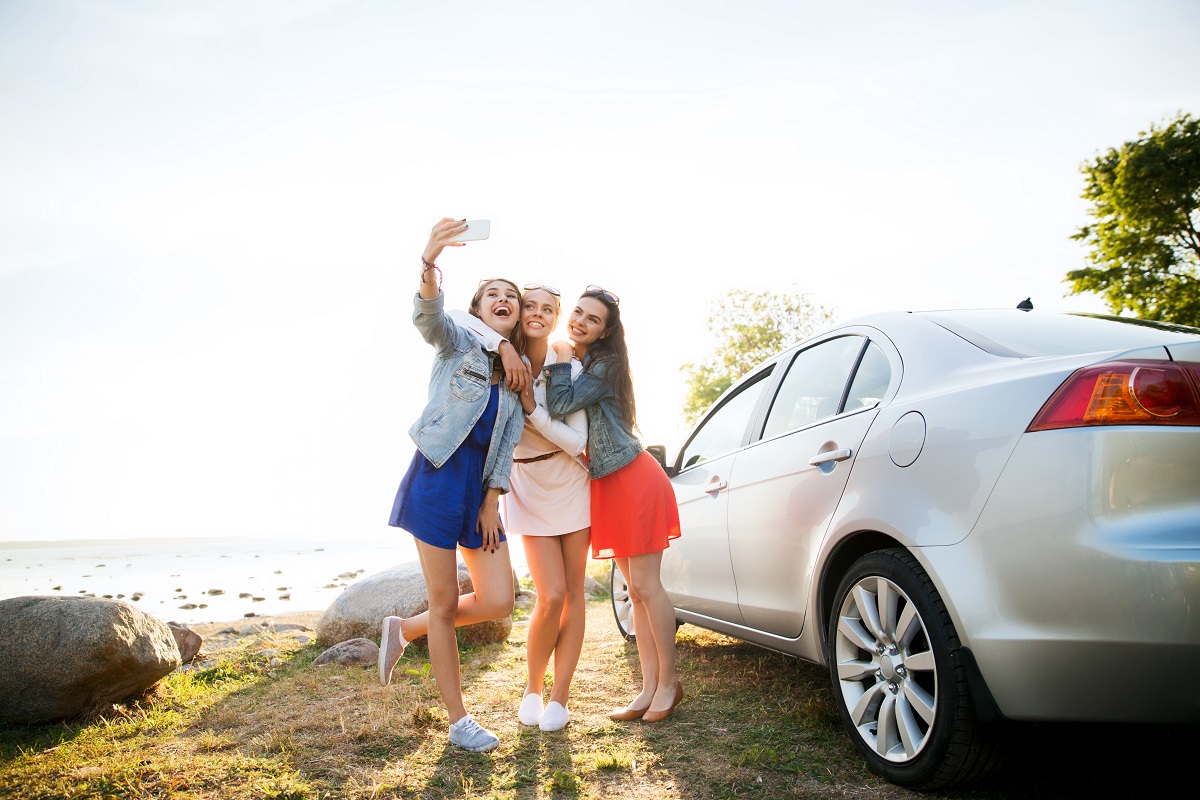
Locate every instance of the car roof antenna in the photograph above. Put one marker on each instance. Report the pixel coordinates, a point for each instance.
(1025, 305)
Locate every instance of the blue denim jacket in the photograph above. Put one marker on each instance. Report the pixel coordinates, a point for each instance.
(611, 443)
(458, 394)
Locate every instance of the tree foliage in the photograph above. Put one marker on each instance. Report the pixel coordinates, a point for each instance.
(749, 328)
(1145, 205)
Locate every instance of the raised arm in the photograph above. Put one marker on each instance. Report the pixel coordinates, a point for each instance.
(439, 239)
(429, 316)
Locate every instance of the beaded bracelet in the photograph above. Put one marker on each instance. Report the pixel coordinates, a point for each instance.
(434, 267)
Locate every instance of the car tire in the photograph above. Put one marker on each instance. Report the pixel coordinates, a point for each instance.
(622, 605)
(900, 678)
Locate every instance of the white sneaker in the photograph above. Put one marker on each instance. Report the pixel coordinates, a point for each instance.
(531, 710)
(555, 717)
(391, 647)
(470, 735)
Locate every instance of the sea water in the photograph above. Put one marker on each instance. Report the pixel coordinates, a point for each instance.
(199, 580)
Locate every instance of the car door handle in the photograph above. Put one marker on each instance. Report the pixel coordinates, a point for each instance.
(832, 455)
(714, 488)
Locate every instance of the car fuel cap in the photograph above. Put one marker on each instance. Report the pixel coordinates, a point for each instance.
(907, 439)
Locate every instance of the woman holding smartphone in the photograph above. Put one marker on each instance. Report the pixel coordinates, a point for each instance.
(634, 515)
(449, 498)
(549, 507)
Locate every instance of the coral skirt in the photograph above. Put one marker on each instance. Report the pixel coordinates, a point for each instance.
(633, 510)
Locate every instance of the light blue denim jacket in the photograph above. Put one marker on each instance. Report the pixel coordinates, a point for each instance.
(458, 394)
(611, 443)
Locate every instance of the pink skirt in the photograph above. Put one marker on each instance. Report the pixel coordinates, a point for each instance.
(633, 510)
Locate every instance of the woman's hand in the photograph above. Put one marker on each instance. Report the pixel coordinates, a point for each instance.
(489, 520)
(528, 404)
(564, 350)
(516, 372)
(439, 237)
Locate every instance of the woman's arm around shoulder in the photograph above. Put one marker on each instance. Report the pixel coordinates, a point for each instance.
(569, 433)
(565, 395)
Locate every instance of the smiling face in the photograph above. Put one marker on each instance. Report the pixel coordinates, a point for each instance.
(498, 304)
(588, 322)
(539, 314)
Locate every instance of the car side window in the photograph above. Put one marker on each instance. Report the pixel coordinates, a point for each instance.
(870, 381)
(813, 387)
(725, 428)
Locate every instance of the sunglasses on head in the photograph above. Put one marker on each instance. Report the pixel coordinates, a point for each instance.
(529, 287)
(485, 281)
(597, 291)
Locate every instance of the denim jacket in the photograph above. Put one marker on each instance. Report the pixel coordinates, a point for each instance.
(458, 394)
(611, 443)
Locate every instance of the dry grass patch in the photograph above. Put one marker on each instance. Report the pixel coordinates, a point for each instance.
(752, 724)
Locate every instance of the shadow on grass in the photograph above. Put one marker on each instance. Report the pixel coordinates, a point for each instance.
(780, 734)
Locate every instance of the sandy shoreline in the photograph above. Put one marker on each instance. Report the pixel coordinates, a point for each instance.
(208, 630)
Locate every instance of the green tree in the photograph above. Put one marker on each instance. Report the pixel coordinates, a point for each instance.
(1145, 205)
(749, 327)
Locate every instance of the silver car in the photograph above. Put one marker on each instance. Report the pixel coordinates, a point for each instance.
(968, 516)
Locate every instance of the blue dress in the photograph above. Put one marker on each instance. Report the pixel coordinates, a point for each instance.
(441, 506)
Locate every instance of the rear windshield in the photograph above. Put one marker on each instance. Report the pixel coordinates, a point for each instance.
(1021, 334)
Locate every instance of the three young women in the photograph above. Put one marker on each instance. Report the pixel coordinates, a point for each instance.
(449, 498)
(633, 511)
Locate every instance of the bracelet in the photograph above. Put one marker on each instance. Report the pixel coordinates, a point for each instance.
(434, 267)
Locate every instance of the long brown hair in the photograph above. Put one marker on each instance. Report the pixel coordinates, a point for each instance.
(517, 337)
(613, 351)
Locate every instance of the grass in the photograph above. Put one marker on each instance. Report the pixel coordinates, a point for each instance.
(752, 724)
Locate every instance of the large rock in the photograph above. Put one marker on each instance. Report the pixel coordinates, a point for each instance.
(61, 657)
(397, 592)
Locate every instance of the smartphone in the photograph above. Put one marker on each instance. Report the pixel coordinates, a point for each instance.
(477, 229)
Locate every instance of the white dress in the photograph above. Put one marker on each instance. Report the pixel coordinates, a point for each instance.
(551, 496)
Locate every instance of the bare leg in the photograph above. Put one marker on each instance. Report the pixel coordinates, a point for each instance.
(647, 652)
(658, 619)
(440, 568)
(574, 614)
(544, 556)
(493, 596)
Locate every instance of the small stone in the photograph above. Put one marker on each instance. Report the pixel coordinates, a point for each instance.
(244, 595)
(188, 606)
(285, 596)
(353, 651)
(215, 592)
(258, 599)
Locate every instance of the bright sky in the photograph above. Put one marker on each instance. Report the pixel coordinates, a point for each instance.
(211, 212)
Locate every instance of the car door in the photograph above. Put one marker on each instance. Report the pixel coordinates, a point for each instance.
(696, 568)
(784, 488)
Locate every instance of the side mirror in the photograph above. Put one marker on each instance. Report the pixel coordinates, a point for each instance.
(660, 455)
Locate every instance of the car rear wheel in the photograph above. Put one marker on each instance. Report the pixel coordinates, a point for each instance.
(900, 680)
(618, 590)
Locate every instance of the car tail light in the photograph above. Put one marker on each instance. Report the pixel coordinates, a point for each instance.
(1124, 393)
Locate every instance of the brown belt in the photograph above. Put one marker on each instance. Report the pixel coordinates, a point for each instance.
(542, 457)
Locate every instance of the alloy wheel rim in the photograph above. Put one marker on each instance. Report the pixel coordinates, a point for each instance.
(886, 669)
